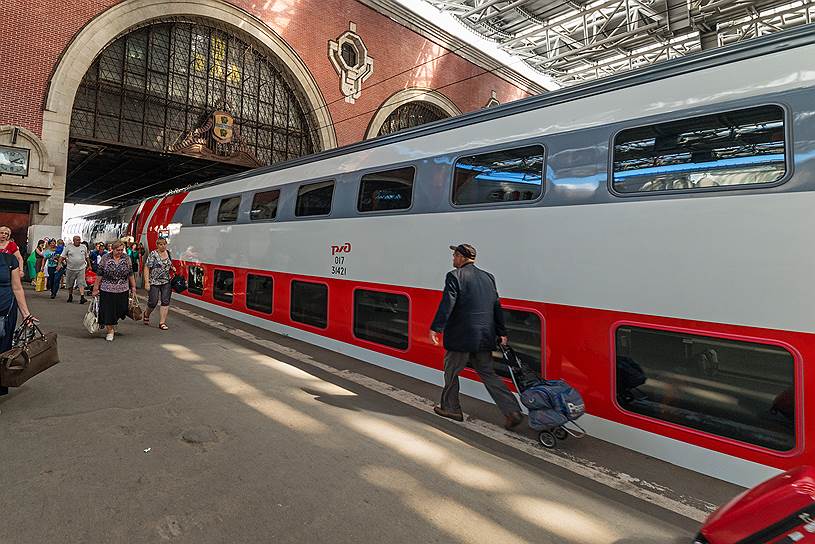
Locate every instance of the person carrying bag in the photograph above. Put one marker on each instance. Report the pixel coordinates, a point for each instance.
(12, 299)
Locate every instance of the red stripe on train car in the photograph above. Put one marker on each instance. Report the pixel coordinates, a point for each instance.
(577, 345)
(149, 204)
(162, 217)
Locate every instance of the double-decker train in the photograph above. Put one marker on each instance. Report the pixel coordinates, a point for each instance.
(650, 235)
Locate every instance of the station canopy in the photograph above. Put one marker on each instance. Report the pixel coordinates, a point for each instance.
(575, 41)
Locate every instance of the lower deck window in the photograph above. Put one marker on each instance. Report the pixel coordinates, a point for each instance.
(524, 332)
(739, 390)
(222, 285)
(381, 318)
(195, 280)
(309, 303)
(259, 293)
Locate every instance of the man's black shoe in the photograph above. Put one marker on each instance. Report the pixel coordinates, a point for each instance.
(70, 298)
(82, 300)
(53, 296)
(458, 416)
(513, 420)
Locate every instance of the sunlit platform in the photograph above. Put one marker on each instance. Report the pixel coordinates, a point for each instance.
(232, 434)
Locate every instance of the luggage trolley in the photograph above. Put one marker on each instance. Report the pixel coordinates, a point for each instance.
(553, 404)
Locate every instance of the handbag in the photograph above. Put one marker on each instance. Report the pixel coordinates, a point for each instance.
(33, 352)
(177, 282)
(91, 319)
(134, 310)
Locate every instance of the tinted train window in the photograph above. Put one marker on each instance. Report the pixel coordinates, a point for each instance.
(381, 318)
(259, 291)
(200, 213)
(309, 303)
(525, 336)
(195, 280)
(739, 390)
(228, 210)
(389, 190)
(511, 175)
(314, 199)
(732, 148)
(264, 205)
(222, 285)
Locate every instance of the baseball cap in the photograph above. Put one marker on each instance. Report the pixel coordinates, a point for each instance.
(466, 250)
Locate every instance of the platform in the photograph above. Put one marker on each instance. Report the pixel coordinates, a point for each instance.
(216, 431)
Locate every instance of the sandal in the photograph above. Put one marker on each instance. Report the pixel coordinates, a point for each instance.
(163, 326)
(146, 320)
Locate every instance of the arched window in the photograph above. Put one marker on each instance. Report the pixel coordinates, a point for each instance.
(411, 114)
(155, 86)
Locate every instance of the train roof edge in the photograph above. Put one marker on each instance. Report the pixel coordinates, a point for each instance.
(779, 41)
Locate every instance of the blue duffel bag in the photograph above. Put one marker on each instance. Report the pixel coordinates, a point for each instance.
(546, 420)
(557, 396)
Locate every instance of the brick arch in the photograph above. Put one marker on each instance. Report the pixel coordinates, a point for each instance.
(400, 98)
(106, 27)
(103, 29)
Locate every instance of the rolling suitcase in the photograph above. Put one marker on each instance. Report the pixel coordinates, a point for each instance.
(778, 511)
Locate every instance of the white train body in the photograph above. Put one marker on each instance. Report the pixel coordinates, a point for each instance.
(724, 268)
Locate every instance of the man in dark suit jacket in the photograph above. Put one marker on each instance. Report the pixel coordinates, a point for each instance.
(471, 318)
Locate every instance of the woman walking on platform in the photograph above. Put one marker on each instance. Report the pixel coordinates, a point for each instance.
(157, 271)
(114, 279)
(12, 297)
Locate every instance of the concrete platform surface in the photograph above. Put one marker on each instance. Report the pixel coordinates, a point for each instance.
(198, 435)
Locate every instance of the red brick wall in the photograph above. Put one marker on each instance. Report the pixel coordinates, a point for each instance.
(33, 35)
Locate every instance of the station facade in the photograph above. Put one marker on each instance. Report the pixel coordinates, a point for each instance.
(113, 101)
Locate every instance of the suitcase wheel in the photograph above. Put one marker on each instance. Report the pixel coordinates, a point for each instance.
(547, 439)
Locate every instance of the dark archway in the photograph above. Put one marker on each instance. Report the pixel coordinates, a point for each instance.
(175, 102)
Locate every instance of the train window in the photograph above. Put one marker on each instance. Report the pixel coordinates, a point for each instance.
(228, 210)
(222, 285)
(724, 149)
(525, 336)
(388, 190)
(264, 205)
(200, 213)
(510, 175)
(259, 291)
(195, 280)
(381, 318)
(739, 390)
(309, 303)
(314, 199)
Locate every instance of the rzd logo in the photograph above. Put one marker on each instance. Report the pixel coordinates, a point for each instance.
(344, 248)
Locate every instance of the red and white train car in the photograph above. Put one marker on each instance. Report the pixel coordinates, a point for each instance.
(651, 236)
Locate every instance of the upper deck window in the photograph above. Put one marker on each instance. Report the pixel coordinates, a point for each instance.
(264, 205)
(314, 199)
(388, 190)
(509, 175)
(228, 210)
(200, 213)
(742, 147)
